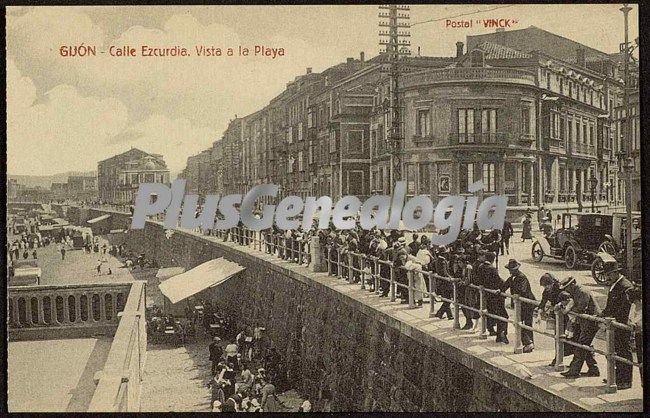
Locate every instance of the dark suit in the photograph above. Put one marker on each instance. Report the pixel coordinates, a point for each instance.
(618, 307)
(495, 304)
(506, 233)
(584, 330)
(215, 355)
(519, 285)
(443, 287)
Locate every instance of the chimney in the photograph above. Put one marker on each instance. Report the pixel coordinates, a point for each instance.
(418, 51)
(459, 49)
(349, 60)
(580, 57)
(308, 70)
(362, 56)
(500, 30)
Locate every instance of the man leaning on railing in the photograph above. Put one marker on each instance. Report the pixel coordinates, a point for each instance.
(584, 329)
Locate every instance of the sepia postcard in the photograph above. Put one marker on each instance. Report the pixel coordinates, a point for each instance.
(324, 208)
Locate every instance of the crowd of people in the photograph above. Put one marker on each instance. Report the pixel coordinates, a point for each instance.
(472, 261)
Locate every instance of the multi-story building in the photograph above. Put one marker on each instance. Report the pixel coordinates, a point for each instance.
(119, 177)
(82, 188)
(529, 113)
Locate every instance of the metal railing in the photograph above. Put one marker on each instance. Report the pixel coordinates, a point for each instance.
(365, 270)
(352, 270)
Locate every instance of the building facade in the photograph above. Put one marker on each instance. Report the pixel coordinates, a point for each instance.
(529, 113)
(119, 177)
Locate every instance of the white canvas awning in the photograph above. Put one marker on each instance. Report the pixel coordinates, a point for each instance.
(208, 274)
(99, 218)
(167, 272)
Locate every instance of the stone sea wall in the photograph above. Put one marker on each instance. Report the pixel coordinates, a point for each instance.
(367, 360)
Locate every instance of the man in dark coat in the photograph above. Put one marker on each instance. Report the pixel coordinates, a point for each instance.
(443, 287)
(506, 233)
(618, 307)
(414, 246)
(385, 254)
(495, 303)
(519, 285)
(399, 261)
(583, 303)
(216, 352)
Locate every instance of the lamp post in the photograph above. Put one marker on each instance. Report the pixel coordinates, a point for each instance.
(593, 183)
(628, 163)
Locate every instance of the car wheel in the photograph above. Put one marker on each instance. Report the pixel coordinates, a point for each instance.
(570, 257)
(597, 268)
(537, 252)
(607, 247)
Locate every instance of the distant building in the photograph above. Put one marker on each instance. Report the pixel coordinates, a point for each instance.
(12, 189)
(119, 177)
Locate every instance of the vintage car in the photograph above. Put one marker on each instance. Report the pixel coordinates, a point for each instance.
(19, 226)
(578, 240)
(24, 273)
(613, 249)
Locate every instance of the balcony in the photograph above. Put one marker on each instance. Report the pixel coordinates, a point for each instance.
(483, 74)
(477, 139)
(583, 149)
(526, 139)
(423, 141)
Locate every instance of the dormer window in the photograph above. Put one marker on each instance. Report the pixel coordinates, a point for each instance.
(477, 58)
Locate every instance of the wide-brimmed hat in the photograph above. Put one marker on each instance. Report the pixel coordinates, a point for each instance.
(513, 264)
(566, 282)
(401, 241)
(216, 339)
(443, 249)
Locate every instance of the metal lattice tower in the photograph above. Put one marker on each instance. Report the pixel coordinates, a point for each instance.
(396, 19)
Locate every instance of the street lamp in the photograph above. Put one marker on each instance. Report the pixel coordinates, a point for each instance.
(593, 182)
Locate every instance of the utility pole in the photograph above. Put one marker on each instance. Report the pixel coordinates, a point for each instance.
(627, 165)
(395, 49)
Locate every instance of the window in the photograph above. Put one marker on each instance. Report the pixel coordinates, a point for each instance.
(424, 179)
(525, 120)
(355, 142)
(332, 141)
(562, 127)
(290, 135)
(311, 152)
(561, 86)
(423, 122)
(410, 179)
(290, 164)
(466, 176)
(355, 183)
(488, 178)
(300, 161)
(300, 131)
(548, 80)
(489, 125)
(465, 125)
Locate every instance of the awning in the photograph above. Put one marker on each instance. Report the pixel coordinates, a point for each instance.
(209, 274)
(99, 218)
(167, 272)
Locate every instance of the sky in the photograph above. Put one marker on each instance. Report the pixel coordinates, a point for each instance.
(68, 113)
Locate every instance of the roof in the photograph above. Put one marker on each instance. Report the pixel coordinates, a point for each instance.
(496, 51)
(209, 274)
(537, 39)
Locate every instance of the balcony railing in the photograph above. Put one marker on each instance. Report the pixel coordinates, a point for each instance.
(584, 149)
(32, 308)
(469, 73)
(487, 138)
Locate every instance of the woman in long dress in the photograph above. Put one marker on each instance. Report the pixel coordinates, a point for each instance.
(527, 229)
